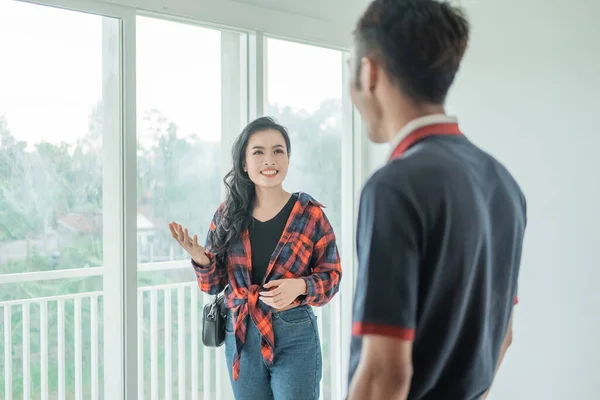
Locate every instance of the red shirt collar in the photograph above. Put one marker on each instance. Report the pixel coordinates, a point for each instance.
(423, 132)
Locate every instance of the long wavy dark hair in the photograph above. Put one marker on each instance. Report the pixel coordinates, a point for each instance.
(240, 196)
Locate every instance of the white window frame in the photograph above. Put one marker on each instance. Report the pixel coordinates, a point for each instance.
(352, 178)
(119, 207)
(120, 244)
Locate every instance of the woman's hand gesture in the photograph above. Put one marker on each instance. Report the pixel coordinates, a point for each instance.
(282, 292)
(189, 244)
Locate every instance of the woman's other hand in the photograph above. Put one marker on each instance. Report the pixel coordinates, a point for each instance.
(189, 244)
(283, 292)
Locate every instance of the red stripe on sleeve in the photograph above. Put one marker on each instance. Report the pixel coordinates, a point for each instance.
(361, 329)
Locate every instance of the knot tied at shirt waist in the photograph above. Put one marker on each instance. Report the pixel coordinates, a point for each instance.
(244, 299)
(244, 302)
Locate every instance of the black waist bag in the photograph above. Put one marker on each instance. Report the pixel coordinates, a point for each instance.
(214, 318)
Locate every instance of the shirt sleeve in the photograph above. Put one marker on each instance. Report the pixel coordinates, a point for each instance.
(212, 278)
(524, 205)
(324, 282)
(388, 248)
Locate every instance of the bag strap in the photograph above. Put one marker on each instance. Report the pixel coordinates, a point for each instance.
(215, 301)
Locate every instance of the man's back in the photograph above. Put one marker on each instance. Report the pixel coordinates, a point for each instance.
(455, 219)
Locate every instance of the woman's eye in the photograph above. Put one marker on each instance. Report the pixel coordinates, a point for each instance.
(279, 151)
(257, 152)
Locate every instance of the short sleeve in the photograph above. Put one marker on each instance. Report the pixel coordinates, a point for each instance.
(524, 205)
(388, 248)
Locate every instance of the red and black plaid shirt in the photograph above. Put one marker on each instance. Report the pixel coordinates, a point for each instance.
(307, 250)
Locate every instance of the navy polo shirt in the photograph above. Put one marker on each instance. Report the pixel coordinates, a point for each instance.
(439, 239)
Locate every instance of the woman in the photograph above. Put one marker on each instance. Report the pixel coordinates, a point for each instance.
(275, 255)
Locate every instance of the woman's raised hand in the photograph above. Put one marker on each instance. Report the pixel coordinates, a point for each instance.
(196, 251)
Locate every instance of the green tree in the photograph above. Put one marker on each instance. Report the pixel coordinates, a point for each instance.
(315, 163)
(17, 216)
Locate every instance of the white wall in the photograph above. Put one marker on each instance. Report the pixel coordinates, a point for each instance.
(528, 93)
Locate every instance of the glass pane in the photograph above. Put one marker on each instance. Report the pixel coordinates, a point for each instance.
(179, 179)
(304, 93)
(59, 70)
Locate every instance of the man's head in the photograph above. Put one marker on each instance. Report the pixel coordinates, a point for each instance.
(406, 55)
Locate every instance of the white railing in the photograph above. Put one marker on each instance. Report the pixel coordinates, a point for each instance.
(60, 354)
(188, 303)
(10, 308)
(86, 272)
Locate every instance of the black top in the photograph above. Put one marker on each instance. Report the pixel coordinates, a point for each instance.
(439, 239)
(264, 237)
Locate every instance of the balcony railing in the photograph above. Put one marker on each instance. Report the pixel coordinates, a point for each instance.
(60, 354)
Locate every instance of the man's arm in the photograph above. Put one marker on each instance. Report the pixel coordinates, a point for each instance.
(385, 369)
(508, 336)
(386, 296)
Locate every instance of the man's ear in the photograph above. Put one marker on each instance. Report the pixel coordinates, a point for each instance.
(369, 73)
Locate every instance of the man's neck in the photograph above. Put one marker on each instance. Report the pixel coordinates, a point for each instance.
(416, 124)
(400, 117)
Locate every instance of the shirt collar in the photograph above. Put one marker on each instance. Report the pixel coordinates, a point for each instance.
(418, 123)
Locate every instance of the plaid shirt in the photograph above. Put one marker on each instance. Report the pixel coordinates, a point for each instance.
(307, 250)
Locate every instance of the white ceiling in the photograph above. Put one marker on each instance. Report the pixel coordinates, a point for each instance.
(326, 10)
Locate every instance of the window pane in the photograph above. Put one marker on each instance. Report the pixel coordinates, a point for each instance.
(56, 109)
(306, 97)
(179, 135)
(304, 93)
(179, 179)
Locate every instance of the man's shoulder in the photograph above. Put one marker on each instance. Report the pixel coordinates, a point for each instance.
(391, 175)
(508, 180)
(392, 190)
(405, 176)
(381, 183)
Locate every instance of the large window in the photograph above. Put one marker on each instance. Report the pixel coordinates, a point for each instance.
(304, 93)
(58, 108)
(181, 70)
(112, 125)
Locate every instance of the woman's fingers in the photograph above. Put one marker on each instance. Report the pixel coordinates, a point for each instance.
(179, 234)
(185, 239)
(274, 302)
(173, 229)
(271, 293)
(182, 235)
(268, 301)
(189, 240)
(196, 244)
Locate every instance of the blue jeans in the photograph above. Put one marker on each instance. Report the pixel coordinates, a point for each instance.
(297, 365)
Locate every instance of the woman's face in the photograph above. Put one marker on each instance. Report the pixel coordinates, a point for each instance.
(266, 158)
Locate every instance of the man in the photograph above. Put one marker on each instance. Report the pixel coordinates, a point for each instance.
(440, 226)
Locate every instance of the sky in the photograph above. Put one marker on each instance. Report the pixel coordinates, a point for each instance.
(51, 73)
